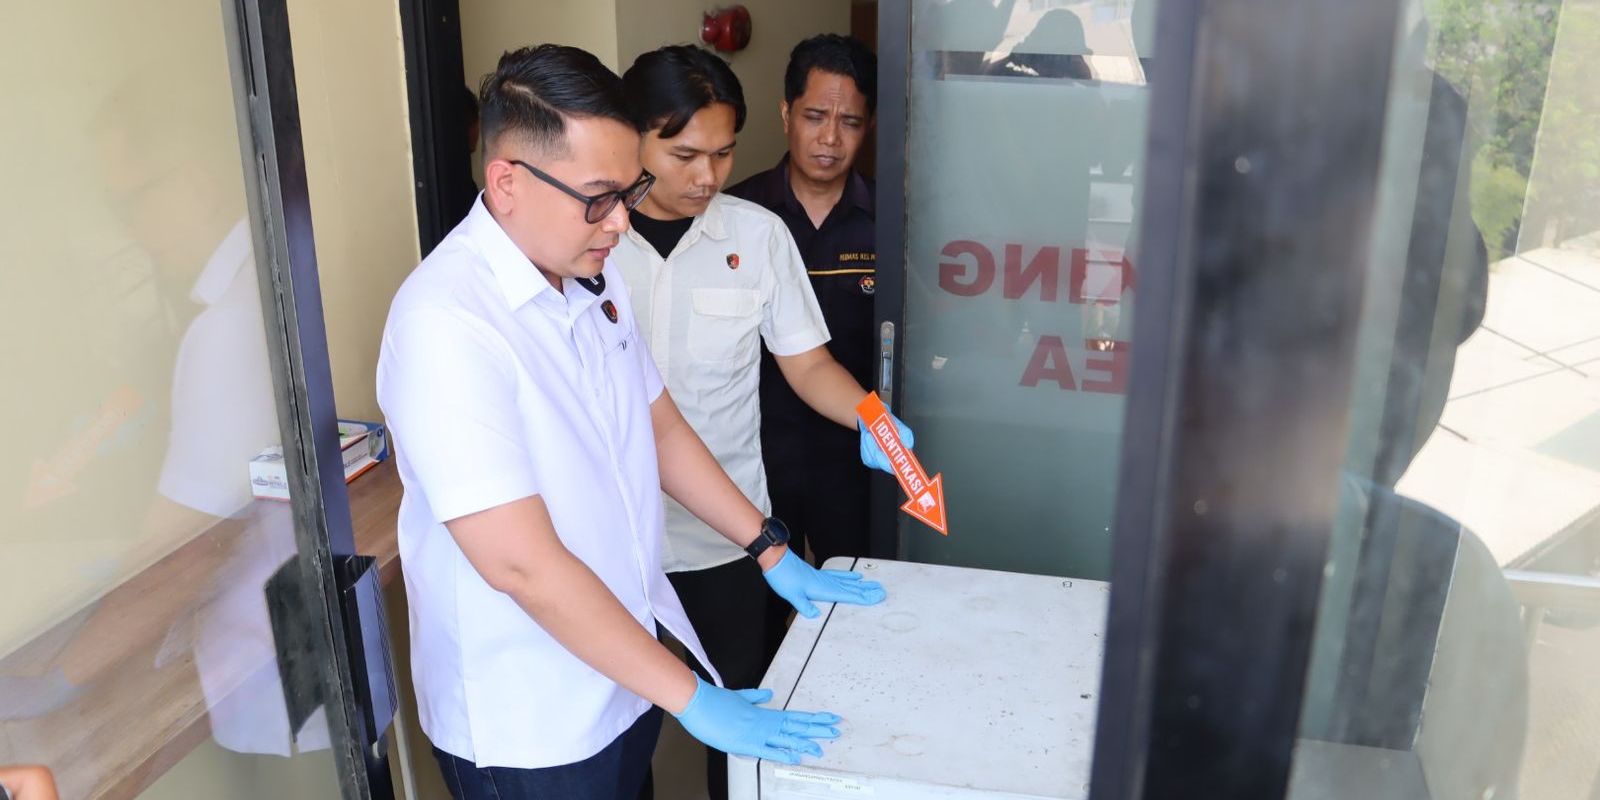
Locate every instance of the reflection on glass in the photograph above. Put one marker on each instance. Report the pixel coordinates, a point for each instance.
(142, 621)
(1460, 620)
(1026, 121)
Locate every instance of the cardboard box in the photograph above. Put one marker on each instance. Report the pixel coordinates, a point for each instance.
(362, 446)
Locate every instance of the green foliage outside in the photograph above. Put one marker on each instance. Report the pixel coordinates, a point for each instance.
(1569, 141)
(1497, 54)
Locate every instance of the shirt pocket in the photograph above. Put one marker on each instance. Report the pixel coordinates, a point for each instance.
(618, 354)
(620, 390)
(723, 323)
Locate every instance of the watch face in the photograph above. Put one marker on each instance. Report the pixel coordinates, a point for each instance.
(775, 531)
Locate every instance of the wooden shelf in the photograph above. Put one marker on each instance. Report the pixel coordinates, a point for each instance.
(374, 510)
(139, 708)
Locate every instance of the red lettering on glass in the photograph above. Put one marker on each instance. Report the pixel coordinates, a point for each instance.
(1049, 363)
(951, 273)
(1044, 269)
(1109, 357)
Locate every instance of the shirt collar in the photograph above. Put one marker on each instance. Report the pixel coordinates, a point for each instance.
(575, 299)
(856, 191)
(781, 189)
(712, 223)
(859, 194)
(225, 262)
(520, 281)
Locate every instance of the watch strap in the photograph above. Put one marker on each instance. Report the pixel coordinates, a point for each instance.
(772, 533)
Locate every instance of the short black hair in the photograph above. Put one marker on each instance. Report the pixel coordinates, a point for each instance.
(534, 89)
(840, 55)
(666, 86)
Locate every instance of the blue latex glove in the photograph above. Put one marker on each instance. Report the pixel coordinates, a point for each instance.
(734, 722)
(800, 583)
(872, 455)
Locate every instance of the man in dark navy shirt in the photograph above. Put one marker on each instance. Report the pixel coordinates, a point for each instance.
(814, 472)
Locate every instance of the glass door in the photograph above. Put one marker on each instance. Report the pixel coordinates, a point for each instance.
(165, 627)
(1023, 135)
(1353, 483)
(1457, 629)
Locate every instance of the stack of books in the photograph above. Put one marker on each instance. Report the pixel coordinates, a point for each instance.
(362, 444)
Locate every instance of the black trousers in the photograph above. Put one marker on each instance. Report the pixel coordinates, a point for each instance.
(621, 771)
(828, 507)
(728, 606)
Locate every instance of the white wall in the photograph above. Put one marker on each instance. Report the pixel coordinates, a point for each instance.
(491, 27)
(350, 73)
(617, 31)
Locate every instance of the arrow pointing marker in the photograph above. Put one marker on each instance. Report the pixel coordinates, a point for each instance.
(926, 494)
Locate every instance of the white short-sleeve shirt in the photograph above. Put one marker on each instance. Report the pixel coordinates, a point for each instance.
(498, 387)
(734, 280)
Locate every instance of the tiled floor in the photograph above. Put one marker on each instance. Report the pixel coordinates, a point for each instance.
(1517, 460)
(1517, 455)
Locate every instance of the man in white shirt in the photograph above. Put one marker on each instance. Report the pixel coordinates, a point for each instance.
(534, 440)
(711, 278)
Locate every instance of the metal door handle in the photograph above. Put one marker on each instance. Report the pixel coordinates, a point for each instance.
(886, 363)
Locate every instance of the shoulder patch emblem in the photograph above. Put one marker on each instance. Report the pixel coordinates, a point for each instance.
(868, 284)
(733, 261)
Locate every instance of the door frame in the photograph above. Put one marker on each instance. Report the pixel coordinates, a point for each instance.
(894, 90)
(1221, 548)
(430, 34)
(348, 641)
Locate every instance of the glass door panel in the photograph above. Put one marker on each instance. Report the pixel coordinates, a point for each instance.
(1460, 615)
(153, 636)
(1025, 129)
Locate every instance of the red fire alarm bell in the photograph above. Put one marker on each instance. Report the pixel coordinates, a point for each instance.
(727, 29)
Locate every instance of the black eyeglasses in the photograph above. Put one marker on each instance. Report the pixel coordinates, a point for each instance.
(597, 206)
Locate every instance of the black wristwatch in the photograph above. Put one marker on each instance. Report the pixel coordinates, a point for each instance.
(773, 533)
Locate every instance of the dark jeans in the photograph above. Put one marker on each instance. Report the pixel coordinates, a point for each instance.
(619, 772)
(728, 607)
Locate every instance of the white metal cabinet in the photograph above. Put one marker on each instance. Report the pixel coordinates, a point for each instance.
(962, 684)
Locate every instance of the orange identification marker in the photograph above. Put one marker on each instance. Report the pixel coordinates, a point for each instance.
(927, 494)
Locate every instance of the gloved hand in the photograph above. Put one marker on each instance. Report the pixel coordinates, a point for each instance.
(800, 583)
(872, 455)
(734, 722)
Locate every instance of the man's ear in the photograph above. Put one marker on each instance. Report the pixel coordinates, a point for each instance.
(499, 183)
(783, 113)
